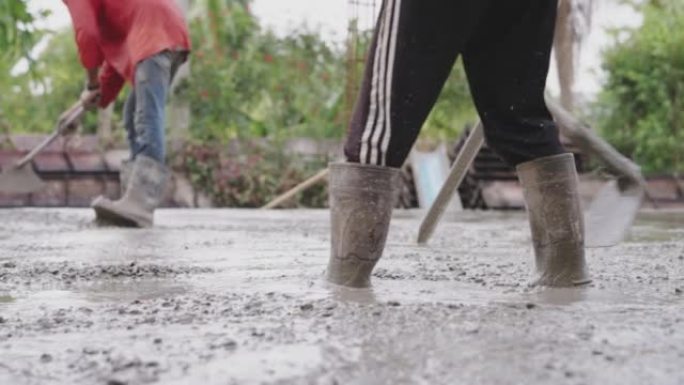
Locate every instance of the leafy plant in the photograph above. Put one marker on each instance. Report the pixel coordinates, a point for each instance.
(454, 108)
(250, 83)
(35, 99)
(18, 34)
(252, 175)
(641, 109)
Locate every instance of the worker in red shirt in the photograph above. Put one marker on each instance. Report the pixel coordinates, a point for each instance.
(142, 43)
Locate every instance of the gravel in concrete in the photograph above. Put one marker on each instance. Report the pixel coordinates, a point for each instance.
(237, 297)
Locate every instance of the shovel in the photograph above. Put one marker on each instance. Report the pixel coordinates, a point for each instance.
(460, 168)
(20, 178)
(610, 214)
(614, 209)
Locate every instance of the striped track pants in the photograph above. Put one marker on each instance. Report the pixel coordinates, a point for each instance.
(506, 51)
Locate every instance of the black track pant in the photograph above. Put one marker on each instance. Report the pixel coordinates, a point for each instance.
(506, 47)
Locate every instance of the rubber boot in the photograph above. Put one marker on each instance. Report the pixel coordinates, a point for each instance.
(556, 220)
(144, 193)
(361, 201)
(125, 175)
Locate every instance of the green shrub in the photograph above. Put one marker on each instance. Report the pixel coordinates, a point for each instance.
(36, 99)
(252, 175)
(248, 83)
(641, 110)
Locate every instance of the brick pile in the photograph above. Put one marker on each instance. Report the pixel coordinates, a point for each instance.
(74, 171)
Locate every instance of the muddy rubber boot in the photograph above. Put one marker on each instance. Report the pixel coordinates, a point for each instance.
(144, 193)
(361, 201)
(556, 220)
(125, 174)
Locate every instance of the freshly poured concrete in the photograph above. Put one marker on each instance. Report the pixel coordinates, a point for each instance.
(236, 297)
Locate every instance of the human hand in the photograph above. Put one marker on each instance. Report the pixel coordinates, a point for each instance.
(90, 98)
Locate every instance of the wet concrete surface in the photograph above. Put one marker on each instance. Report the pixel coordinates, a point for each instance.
(237, 297)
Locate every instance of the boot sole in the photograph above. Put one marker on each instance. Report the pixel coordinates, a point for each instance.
(107, 216)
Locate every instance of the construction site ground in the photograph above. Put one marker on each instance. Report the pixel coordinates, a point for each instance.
(238, 297)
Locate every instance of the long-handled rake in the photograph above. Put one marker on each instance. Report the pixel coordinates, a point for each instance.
(20, 178)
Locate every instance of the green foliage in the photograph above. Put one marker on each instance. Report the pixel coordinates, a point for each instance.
(246, 82)
(249, 83)
(641, 109)
(18, 36)
(454, 108)
(36, 99)
(253, 175)
(17, 32)
(32, 101)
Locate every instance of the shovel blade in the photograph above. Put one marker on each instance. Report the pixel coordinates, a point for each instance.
(20, 180)
(611, 214)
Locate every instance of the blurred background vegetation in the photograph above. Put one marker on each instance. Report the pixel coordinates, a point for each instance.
(247, 83)
(641, 108)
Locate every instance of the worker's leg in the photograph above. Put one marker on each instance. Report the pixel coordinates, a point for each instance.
(152, 81)
(507, 62)
(415, 45)
(129, 122)
(148, 175)
(414, 49)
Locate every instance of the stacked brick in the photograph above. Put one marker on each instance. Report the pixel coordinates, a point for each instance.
(74, 172)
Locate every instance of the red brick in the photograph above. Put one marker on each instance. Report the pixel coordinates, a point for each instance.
(87, 162)
(663, 189)
(51, 162)
(81, 192)
(9, 157)
(53, 195)
(30, 141)
(85, 143)
(13, 200)
(82, 143)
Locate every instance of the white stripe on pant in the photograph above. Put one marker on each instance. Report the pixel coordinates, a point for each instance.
(377, 132)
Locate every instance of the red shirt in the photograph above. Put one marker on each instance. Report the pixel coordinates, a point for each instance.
(118, 34)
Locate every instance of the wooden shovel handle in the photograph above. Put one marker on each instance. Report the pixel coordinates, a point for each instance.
(73, 113)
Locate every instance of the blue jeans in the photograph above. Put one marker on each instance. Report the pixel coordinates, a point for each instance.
(144, 111)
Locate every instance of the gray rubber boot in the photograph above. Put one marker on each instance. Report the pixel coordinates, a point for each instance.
(144, 193)
(556, 220)
(125, 174)
(361, 201)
